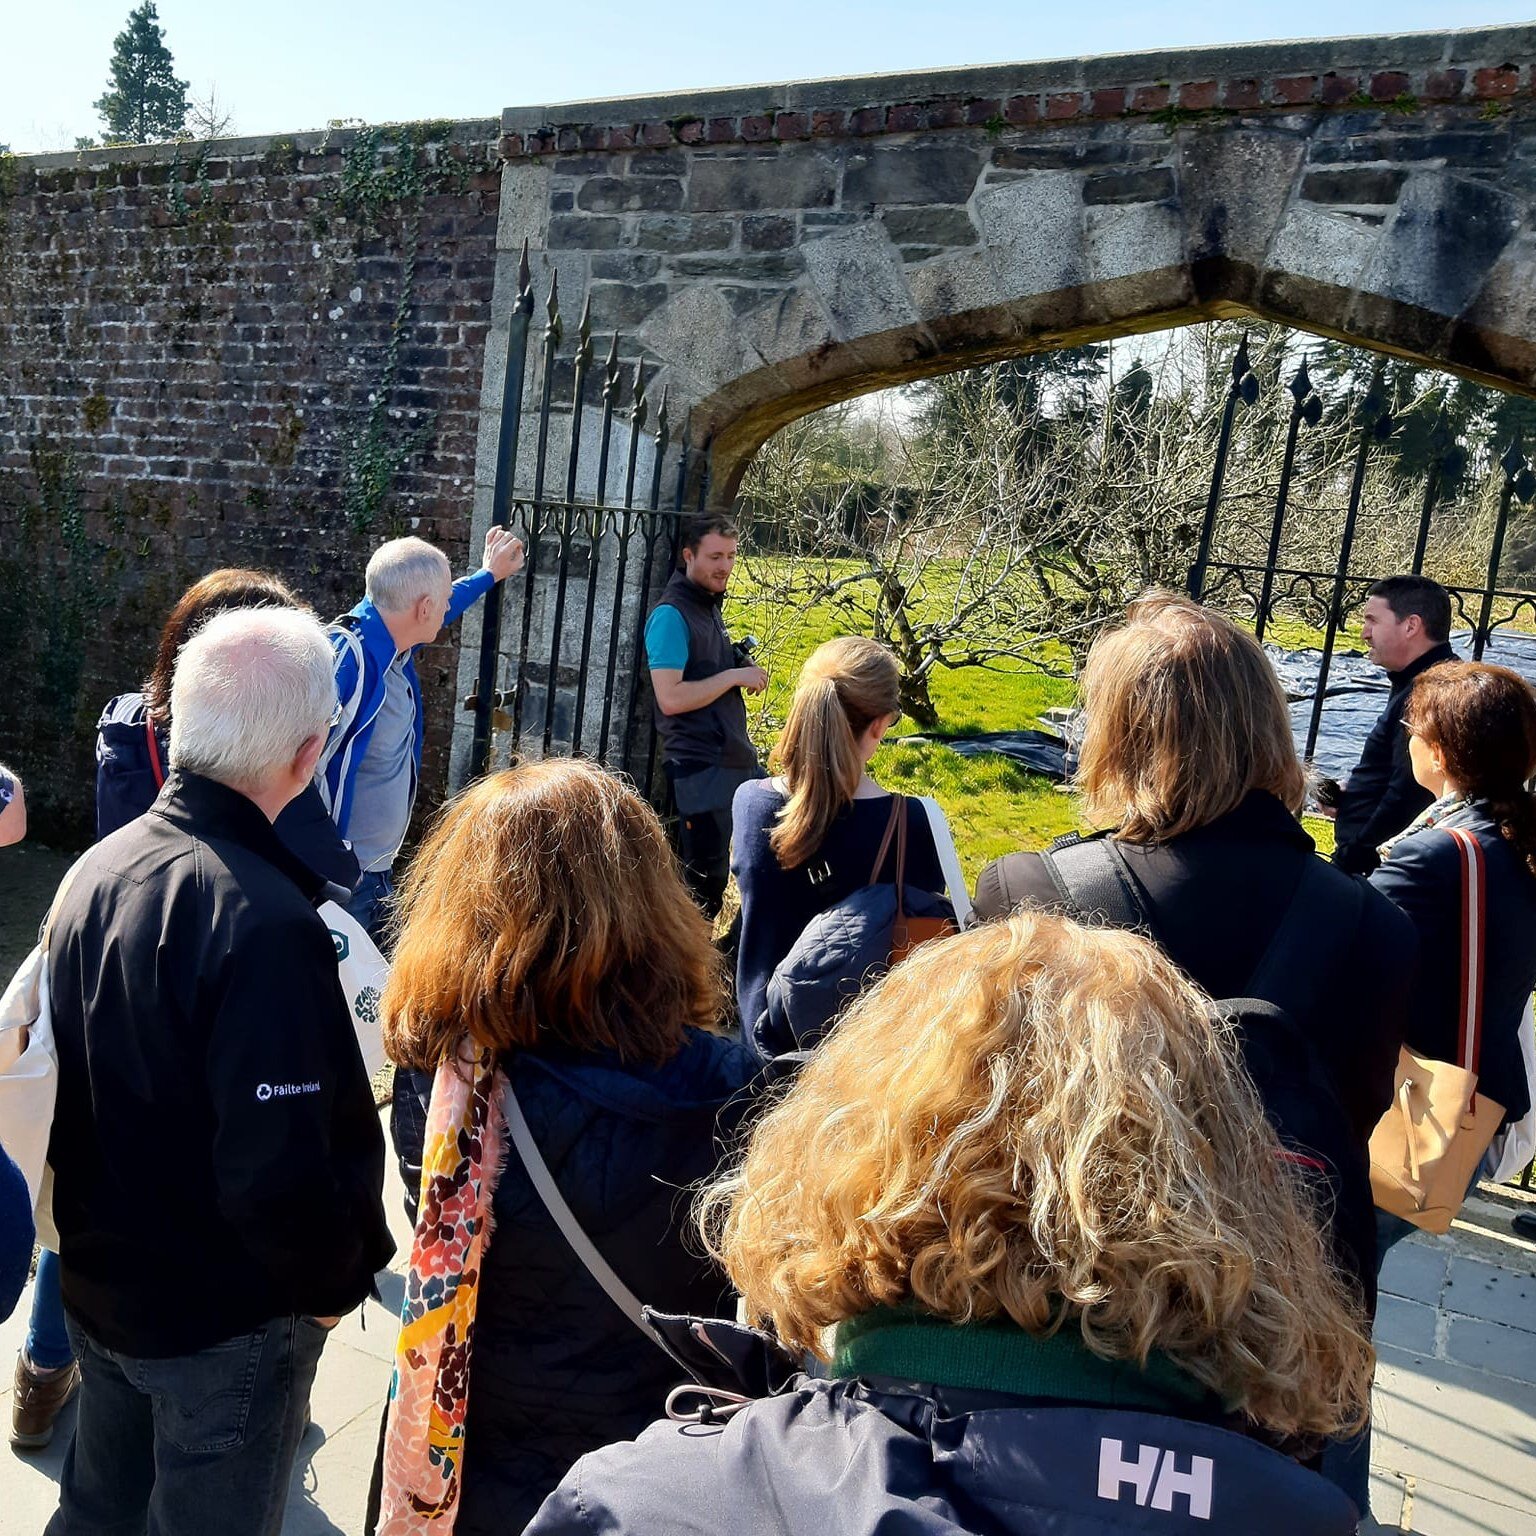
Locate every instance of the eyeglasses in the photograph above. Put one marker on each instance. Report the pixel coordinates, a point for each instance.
(336, 715)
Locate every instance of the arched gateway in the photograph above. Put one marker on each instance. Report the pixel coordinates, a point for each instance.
(772, 249)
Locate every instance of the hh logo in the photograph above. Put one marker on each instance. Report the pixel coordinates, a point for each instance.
(1154, 1478)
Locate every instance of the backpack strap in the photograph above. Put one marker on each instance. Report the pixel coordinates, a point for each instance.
(1095, 882)
(1320, 921)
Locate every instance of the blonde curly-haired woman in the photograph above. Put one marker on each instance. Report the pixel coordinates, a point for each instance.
(1025, 1206)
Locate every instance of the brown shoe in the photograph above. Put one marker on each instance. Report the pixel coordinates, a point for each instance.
(40, 1398)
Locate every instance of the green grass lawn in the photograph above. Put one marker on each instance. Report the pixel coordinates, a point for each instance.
(994, 806)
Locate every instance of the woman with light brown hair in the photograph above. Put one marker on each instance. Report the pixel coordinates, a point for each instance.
(805, 840)
(1187, 759)
(1025, 1206)
(550, 964)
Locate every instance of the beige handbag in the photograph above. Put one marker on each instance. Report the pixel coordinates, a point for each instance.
(1427, 1147)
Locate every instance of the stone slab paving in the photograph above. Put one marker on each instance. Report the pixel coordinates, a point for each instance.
(1454, 1451)
(330, 1478)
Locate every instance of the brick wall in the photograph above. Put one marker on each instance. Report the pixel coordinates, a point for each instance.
(261, 352)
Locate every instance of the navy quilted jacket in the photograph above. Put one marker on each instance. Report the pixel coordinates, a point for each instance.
(557, 1369)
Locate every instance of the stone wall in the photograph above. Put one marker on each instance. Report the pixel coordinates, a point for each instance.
(255, 352)
(781, 247)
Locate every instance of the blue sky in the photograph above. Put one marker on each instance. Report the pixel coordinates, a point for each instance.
(284, 66)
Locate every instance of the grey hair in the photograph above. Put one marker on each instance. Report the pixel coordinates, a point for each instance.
(250, 688)
(404, 571)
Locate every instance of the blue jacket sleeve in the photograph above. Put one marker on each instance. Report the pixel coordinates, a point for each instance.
(16, 1234)
(467, 591)
(1422, 878)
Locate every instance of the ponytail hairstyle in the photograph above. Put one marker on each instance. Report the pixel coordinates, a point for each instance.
(845, 686)
(1483, 720)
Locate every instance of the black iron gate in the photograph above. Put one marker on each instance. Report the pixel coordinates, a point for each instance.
(1238, 569)
(576, 686)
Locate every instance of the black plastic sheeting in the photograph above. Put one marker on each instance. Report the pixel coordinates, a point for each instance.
(1356, 694)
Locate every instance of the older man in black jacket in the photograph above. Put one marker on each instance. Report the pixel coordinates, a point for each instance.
(217, 1157)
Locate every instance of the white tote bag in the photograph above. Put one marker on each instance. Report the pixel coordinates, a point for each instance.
(949, 860)
(1515, 1145)
(363, 971)
(29, 1081)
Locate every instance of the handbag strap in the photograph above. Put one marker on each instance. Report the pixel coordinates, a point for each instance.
(156, 767)
(1474, 936)
(564, 1217)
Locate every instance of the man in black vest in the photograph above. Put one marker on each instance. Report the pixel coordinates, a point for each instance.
(701, 716)
(1407, 630)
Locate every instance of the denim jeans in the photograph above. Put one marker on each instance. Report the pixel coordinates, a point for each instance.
(371, 904)
(191, 1445)
(48, 1346)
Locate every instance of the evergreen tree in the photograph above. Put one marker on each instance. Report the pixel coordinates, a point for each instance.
(144, 100)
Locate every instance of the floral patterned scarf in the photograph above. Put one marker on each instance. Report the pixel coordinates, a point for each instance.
(1445, 806)
(461, 1159)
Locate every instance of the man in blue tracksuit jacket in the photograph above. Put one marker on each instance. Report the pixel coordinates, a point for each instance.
(369, 770)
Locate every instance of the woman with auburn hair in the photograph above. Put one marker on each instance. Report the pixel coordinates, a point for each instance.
(1024, 1204)
(802, 842)
(1472, 742)
(548, 950)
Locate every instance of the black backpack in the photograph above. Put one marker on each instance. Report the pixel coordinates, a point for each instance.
(1295, 1086)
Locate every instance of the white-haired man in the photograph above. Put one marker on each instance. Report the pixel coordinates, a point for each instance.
(372, 761)
(216, 1153)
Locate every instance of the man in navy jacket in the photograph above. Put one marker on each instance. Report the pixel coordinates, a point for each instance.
(371, 765)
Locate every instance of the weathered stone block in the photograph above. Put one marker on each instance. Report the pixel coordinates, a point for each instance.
(624, 306)
(1148, 186)
(797, 178)
(524, 213)
(615, 194)
(1375, 185)
(1234, 187)
(1035, 233)
(1437, 251)
(1493, 1294)
(654, 162)
(749, 267)
(786, 325)
(626, 266)
(932, 226)
(1326, 248)
(912, 173)
(858, 275)
(1126, 240)
(767, 233)
(945, 291)
(684, 234)
(695, 334)
(574, 231)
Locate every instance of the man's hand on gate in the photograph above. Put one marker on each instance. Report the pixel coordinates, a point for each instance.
(753, 679)
(503, 553)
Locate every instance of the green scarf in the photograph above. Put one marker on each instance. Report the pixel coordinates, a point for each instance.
(907, 1345)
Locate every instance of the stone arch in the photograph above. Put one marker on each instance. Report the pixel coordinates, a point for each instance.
(778, 248)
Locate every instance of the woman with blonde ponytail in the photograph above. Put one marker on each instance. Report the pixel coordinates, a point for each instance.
(807, 839)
